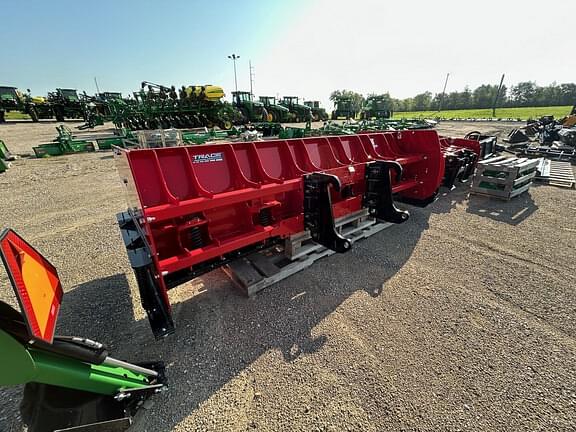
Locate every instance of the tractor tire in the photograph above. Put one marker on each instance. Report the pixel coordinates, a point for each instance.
(265, 115)
(33, 114)
(2, 117)
(245, 116)
(225, 124)
(59, 114)
(272, 117)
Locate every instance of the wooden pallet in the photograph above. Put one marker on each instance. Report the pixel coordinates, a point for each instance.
(264, 268)
(503, 177)
(555, 173)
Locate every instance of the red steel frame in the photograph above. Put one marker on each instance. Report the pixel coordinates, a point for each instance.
(219, 190)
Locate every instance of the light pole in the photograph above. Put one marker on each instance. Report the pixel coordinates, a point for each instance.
(234, 57)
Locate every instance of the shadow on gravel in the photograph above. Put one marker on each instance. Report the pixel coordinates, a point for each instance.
(220, 333)
(100, 310)
(512, 212)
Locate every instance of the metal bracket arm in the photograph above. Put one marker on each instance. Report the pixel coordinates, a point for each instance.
(378, 196)
(318, 216)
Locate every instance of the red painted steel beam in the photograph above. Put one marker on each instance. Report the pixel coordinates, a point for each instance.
(197, 204)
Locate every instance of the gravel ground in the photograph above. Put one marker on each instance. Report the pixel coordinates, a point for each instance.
(463, 318)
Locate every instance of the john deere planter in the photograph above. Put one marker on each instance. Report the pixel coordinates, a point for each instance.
(71, 383)
(159, 107)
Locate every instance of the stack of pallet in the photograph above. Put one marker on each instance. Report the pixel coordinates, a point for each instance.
(504, 177)
(555, 173)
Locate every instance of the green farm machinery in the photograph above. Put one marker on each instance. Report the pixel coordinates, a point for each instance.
(5, 157)
(298, 112)
(99, 103)
(70, 383)
(66, 104)
(159, 107)
(276, 112)
(376, 107)
(318, 113)
(13, 100)
(64, 143)
(344, 108)
(251, 110)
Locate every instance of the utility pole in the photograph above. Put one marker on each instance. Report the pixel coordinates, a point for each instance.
(251, 76)
(443, 93)
(97, 88)
(497, 96)
(234, 57)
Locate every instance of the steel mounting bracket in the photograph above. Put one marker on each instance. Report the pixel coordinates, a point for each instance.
(378, 196)
(318, 216)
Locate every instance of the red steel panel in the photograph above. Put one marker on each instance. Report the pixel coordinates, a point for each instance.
(220, 189)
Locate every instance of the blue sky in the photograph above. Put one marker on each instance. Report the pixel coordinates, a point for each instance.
(299, 47)
(67, 43)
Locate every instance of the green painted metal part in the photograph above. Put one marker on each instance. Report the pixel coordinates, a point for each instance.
(3, 166)
(4, 152)
(209, 135)
(64, 143)
(21, 365)
(17, 363)
(159, 107)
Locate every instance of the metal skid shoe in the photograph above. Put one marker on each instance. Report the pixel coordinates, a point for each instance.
(318, 216)
(71, 383)
(154, 303)
(378, 196)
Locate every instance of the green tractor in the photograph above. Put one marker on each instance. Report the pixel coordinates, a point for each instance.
(276, 113)
(66, 104)
(252, 111)
(376, 107)
(344, 108)
(13, 100)
(318, 113)
(97, 108)
(299, 112)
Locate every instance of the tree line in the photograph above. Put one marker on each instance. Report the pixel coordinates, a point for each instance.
(523, 94)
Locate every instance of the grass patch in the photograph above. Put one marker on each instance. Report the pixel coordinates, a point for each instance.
(15, 115)
(523, 113)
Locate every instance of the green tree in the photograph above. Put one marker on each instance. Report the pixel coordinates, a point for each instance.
(356, 98)
(422, 101)
(524, 93)
(483, 96)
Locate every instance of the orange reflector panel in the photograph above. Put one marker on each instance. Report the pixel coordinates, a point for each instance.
(35, 282)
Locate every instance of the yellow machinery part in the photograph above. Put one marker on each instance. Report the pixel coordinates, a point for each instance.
(208, 92)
